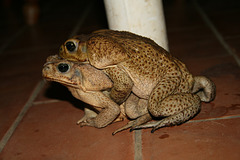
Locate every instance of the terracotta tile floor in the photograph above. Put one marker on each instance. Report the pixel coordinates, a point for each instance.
(37, 120)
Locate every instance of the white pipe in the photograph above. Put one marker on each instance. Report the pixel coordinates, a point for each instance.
(143, 17)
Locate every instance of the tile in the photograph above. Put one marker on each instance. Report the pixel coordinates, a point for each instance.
(49, 131)
(226, 23)
(211, 66)
(224, 15)
(180, 15)
(23, 63)
(11, 23)
(215, 140)
(19, 76)
(42, 36)
(234, 44)
(194, 43)
(13, 98)
(22, 60)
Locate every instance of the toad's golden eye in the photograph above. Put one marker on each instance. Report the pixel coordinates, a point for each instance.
(71, 46)
(63, 67)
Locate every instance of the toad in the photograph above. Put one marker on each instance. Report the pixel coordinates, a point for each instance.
(137, 64)
(87, 84)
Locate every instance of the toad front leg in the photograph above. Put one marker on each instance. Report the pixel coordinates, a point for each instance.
(89, 114)
(108, 109)
(122, 84)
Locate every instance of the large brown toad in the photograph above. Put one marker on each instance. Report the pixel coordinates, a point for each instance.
(138, 64)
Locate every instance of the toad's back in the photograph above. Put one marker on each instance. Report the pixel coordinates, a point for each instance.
(144, 61)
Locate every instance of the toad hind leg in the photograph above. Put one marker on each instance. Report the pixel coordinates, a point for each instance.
(134, 123)
(135, 109)
(177, 109)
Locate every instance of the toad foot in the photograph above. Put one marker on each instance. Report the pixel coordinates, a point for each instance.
(85, 121)
(176, 119)
(132, 124)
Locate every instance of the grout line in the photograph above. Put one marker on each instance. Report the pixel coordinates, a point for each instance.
(216, 32)
(138, 145)
(81, 19)
(214, 119)
(46, 102)
(20, 116)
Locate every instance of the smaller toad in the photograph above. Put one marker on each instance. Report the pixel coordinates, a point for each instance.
(87, 84)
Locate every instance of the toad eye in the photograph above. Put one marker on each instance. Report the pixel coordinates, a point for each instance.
(70, 45)
(63, 67)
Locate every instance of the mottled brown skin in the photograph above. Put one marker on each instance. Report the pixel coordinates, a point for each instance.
(87, 84)
(144, 68)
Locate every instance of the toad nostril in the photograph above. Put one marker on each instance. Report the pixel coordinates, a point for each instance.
(61, 49)
(63, 67)
(47, 68)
